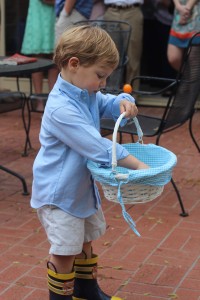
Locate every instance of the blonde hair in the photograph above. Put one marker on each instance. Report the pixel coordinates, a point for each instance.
(90, 44)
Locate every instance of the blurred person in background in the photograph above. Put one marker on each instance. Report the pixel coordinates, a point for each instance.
(186, 22)
(38, 40)
(130, 12)
(158, 16)
(69, 12)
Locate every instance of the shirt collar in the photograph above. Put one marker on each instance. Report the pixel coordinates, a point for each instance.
(71, 90)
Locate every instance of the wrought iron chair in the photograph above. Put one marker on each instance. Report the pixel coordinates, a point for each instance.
(10, 101)
(35, 102)
(32, 104)
(180, 106)
(120, 33)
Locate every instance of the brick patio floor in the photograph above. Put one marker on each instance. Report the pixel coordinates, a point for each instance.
(164, 263)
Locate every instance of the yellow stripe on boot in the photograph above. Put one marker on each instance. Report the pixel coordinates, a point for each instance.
(60, 284)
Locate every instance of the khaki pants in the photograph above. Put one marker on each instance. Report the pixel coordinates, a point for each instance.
(65, 21)
(134, 17)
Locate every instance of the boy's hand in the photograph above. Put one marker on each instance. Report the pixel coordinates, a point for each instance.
(129, 107)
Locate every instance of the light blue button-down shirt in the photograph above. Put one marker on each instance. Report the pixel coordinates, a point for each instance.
(69, 136)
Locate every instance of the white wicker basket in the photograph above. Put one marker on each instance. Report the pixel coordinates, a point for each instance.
(132, 190)
(132, 193)
(127, 186)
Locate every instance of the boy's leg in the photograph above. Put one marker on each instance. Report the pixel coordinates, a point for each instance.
(60, 277)
(66, 235)
(86, 286)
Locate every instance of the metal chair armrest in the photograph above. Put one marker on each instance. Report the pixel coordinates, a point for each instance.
(170, 83)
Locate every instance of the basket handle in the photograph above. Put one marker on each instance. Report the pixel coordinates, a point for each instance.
(114, 139)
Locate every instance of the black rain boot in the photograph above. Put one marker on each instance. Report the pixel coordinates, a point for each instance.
(86, 286)
(61, 286)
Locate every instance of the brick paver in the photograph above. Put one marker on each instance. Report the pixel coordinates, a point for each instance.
(164, 263)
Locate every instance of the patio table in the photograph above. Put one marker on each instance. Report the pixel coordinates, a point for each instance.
(24, 70)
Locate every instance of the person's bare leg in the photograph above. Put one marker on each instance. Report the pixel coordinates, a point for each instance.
(37, 79)
(175, 56)
(87, 251)
(52, 76)
(63, 264)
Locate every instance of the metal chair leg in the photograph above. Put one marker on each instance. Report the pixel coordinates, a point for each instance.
(184, 213)
(192, 135)
(25, 189)
(26, 127)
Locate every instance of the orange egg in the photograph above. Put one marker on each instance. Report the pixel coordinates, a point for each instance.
(127, 88)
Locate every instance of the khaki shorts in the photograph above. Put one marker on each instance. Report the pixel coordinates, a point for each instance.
(67, 233)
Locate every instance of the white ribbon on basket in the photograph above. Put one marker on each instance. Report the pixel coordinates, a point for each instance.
(120, 177)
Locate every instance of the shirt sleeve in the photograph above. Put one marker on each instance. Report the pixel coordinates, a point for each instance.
(69, 127)
(109, 105)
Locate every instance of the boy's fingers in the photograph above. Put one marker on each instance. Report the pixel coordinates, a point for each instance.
(130, 109)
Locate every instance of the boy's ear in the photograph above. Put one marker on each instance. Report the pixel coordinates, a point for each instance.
(73, 63)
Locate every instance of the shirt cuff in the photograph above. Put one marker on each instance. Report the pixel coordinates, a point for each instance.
(116, 105)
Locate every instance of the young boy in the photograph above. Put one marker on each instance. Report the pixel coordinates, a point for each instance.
(64, 193)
